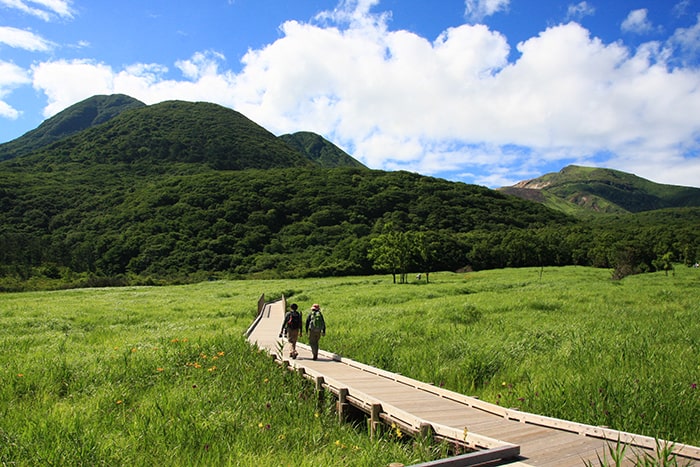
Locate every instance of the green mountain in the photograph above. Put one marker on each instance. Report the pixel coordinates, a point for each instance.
(578, 189)
(320, 150)
(170, 132)
(180, 188)
(169, 135)
(78, 117)
(184, 191)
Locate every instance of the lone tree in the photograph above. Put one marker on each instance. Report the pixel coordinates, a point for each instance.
(398, 252)
(664, 262)
(385, 253)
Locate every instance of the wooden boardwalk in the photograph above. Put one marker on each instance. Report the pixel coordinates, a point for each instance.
(499, 436)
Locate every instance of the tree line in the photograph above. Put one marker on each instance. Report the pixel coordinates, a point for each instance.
(125, 225)
(617, 243)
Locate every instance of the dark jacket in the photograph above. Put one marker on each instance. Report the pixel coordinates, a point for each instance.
(286, 320)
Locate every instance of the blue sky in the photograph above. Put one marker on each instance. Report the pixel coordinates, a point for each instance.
(482, 91)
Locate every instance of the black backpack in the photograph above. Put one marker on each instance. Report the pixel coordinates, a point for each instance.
(294, 320)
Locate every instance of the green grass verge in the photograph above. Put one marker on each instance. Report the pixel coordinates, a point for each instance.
(162, 375)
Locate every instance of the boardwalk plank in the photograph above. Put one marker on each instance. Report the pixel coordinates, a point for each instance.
(541, 441)
(459, 418)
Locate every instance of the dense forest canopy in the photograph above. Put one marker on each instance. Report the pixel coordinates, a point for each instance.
(181, 191)
(295, 221)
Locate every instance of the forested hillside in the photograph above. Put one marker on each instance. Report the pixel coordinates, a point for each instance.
(76, 118)
(296, 221)
(183, 191)
(320, 150)
(160, 137)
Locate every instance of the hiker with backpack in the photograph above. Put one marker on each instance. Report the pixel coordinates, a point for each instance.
(315, 328)
(291, 326)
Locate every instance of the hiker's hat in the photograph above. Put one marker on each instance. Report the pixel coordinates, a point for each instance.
(315, 306)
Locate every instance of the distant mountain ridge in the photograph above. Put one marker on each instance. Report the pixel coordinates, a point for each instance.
(588, 189)
(78, 117)
(320, 150)
(121, 129)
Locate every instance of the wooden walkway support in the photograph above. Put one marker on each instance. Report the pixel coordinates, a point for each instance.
(497, 435)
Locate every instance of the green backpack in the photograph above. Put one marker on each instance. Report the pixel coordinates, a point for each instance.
(316, 320)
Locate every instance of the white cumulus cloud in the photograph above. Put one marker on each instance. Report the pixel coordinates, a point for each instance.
(11, 76)
(688, 41)
(580, 10)
(637, 22)
(43, 9)
(455, 105)
(22, 39)
(477, 10)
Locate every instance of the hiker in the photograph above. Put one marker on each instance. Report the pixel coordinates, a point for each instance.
(315, 328)
(291, 326)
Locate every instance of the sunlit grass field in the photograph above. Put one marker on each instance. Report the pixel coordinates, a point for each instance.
(163, 375)
(570, 343)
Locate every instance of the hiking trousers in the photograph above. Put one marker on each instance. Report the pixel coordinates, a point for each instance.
(292, 337)
(314, 338)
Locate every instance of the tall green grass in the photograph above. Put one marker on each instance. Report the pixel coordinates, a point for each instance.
(133, 376)
(572, 344)
(162, 376)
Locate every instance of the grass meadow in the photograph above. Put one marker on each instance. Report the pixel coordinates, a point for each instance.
(163, 375)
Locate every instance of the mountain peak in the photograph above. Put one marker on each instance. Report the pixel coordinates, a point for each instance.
(76, 118)
(118, 129)
(320, 150)
(576, 188)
